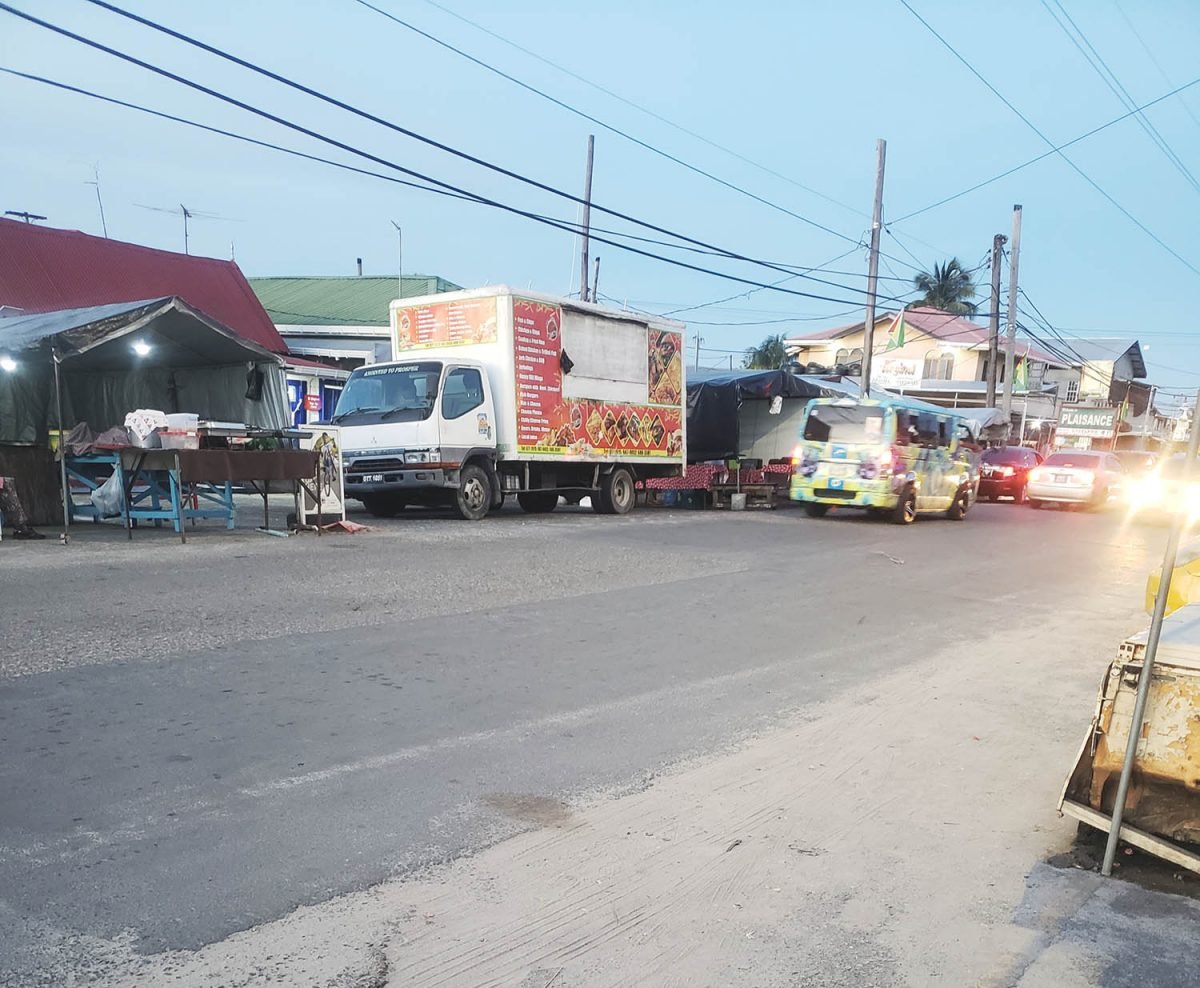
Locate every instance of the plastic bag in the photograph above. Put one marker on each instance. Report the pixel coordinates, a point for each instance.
(108, 497)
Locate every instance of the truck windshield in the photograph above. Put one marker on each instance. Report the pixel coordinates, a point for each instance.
(389, 393)
(844, 424)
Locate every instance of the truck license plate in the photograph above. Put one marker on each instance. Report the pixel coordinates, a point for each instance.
(373, 478)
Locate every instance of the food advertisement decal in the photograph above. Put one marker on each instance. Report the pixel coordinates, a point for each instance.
(548, 423)
(445, 324)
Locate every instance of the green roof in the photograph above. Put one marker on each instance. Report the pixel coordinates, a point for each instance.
(340, 301)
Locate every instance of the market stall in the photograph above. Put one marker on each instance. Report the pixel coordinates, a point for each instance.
(96, 365)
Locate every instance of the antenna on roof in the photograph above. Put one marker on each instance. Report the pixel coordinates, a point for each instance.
(22, 215)
(188, 214)
(103, 224)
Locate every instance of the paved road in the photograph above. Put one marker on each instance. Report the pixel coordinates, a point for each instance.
(205, 737)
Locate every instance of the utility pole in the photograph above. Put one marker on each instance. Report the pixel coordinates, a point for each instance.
(873, 267)
(699, 340)
(399, 260)
(998, 242)
(596, 278)
(186, 216)
(22, 215)
(587, 220)
(1010, 343)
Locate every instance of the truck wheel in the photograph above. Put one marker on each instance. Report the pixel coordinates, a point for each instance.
(617, 493)
(383, 505)
(814, 510)
(905, 511)
(473, 499)
(538, 502)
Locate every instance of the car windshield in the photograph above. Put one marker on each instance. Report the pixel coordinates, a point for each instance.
(389, 393)
(844, 424)
(1082, 461)
(1006, 454)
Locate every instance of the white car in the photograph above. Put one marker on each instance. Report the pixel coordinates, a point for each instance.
(1087, 477)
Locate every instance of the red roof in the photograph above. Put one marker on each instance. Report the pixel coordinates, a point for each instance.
(43, 269)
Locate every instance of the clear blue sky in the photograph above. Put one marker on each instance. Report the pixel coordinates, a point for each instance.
(801, 88)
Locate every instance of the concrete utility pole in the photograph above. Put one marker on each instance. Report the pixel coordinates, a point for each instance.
(596, 278)
(873, 267)
(1010, 344)
(587, 220)
(699, 340)
(998, 242)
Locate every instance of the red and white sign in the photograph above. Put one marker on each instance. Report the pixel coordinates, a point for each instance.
(312, 403)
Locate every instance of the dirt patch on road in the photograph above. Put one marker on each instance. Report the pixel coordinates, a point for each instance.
(541, 811)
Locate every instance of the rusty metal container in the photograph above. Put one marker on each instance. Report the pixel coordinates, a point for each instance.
(1164, 794)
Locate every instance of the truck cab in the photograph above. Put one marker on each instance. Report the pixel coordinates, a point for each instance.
(409, 431)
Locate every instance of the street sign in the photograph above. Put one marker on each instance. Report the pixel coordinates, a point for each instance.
(1088, 423)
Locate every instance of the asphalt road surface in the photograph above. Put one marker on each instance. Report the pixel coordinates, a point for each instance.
(199, 739)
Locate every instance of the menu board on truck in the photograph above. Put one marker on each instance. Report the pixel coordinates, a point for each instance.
(549, 423)
(417, 327)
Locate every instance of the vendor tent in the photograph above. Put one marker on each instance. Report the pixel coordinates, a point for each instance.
(159, 353)
(729, 412)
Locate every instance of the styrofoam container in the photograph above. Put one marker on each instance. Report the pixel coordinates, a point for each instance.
(183, 421)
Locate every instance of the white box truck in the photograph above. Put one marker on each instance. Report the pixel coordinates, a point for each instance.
(493, 392)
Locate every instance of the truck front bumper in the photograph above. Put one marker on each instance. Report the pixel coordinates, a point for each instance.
(411, 478)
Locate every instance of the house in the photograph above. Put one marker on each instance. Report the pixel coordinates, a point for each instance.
(45, 269)
(943, 359)
(938, 357)
(341, 320)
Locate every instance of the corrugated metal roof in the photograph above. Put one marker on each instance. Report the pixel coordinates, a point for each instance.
(340, 301)
(43, 269)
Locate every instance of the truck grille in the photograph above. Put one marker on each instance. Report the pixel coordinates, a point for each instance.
(836, 495)
(379, 465)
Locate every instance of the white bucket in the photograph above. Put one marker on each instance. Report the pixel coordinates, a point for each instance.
(737, 502)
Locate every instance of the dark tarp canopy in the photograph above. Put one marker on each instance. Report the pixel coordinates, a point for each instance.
(190, 363)
(727, 411)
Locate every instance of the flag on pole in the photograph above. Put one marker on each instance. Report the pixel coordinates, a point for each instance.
(895, 339)
(1021, 375)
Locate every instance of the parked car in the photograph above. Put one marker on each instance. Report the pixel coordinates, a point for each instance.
(1164, 490)
(1087, 477)
(1005, 472)
(1137, 462)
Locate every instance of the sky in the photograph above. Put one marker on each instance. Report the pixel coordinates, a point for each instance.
(783, 101)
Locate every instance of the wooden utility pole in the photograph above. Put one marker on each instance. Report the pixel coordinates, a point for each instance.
(998, 242)
(1010, 344)
(873, 267)
(587, 220)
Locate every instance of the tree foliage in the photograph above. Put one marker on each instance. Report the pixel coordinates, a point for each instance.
(948, 287)
(770, 354)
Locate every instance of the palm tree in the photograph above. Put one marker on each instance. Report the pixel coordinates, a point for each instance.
(770, 354)
(948, 288)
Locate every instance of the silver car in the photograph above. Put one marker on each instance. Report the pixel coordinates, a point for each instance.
(1075, 477)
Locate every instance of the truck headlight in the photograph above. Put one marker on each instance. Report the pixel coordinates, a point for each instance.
(417, 456)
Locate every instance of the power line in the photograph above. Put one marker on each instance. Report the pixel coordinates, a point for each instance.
(342, 105)
(597, 121)
(648, 112)
(1146, 48)
(1102, 69)
(461, 193)
(1032, 126)
(1046, 154)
